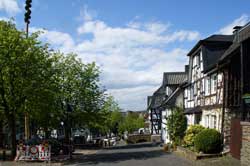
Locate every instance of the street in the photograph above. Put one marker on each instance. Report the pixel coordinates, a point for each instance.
(130, 155)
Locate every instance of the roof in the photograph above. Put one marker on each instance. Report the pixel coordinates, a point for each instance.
(170, 101)
(213, 47)
(241, 35)
(229, 51)
(169, 78)
(158, 97)
(220, 38)
(212, 54)
(174, 78)
(212, 38)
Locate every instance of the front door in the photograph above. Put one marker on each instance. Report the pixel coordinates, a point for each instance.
(236, 136)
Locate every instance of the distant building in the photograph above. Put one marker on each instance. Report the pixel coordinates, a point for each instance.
(163, 100)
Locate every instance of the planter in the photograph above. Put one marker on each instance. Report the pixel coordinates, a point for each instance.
(167, 148)
(194, 155)
(246, 98)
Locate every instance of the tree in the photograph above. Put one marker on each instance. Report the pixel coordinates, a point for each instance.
(176, 125)
(44, 84)
(110, 116)
(25, 72)
(80, 89)
(131, 123)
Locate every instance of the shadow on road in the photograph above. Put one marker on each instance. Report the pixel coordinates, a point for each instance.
(134, 146)
(114, 156)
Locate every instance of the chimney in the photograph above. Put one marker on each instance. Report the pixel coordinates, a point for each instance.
(236, 29)
(186, 68)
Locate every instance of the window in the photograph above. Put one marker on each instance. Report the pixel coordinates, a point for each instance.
(197, 118)
(195, 88)
(189, 94)
(198, 60)
(168, 91)
(213, 83)
(208, 86)
(207, 121)
(186, 95)
(192, 92)
(203, 85)
(194, 61)
(213, 121)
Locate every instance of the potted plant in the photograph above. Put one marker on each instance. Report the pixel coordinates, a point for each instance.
(246, 98)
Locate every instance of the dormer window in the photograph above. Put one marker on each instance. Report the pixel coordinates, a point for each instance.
(198, 60)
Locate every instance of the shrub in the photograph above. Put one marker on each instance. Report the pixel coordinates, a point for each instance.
(176, 125)
(208, 141)
(191, 133)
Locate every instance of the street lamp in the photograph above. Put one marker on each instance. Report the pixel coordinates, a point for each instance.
(27, 14)
(27, 18)
(69, 110)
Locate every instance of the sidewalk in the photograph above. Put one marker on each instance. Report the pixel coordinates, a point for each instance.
(221, 161)
(217, 161)
(13, 163)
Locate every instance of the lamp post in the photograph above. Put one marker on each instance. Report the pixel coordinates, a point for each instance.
(69, 110)
(27, 18)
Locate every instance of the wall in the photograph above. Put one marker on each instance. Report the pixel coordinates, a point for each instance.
(245, 148)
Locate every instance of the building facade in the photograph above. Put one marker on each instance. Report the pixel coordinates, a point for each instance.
(158, 103)
(203, 94)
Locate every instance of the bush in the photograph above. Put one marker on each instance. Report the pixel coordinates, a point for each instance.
(191, 133)
(176, 125)
(208, 141)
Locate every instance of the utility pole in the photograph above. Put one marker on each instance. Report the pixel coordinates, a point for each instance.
(27, 18)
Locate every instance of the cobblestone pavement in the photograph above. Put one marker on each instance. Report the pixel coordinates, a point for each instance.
(132, 155)
(12, 163)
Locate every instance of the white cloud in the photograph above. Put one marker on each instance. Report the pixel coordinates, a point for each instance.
(4, 19)
(136, 96)
(60, 40)
(9, 6)
(228, 29)
(86, 14)
(132, 58)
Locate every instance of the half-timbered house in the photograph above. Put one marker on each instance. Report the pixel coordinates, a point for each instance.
(234, 66)
(203, 97)
(156, 107)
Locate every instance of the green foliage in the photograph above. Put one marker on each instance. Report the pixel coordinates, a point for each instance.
(110, 116)
(42, 83)
(191, 133)
(176, 125)
(208, 141)
(131, 123)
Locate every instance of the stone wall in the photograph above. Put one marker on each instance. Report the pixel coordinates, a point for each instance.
(245, 148)
(227, 129)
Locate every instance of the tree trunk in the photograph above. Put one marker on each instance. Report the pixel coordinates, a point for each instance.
(12, 124)
(46, 131)
(1, 134)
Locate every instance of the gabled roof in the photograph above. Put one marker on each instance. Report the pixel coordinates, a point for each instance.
(241, 35)
(170, 101)
(213, 47)
(212, 54)
(174, 78)
(219, 38)
(212, 39)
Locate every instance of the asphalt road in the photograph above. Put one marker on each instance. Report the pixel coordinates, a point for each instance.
(131, 155)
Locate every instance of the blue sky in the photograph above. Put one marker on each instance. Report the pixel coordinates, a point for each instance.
(133, 41)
